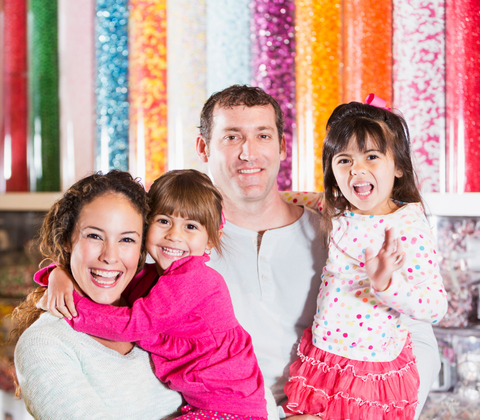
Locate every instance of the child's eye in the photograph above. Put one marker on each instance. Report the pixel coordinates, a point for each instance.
(372, 157)
(190, 226)
(343, 161)
(163, 221)
(128, 240)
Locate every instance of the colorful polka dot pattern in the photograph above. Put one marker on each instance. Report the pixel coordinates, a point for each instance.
(356, 322)
(192, 413)
(311, 200)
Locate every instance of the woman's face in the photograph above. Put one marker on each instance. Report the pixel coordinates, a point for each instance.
(105, 247)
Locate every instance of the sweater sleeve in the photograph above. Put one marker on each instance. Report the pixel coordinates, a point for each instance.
(41, 276)
(52, 382)
(175, 295)
(417, 288)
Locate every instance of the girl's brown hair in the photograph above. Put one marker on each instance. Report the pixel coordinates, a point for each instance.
(361, 123)
(58, 226)
(189, 194)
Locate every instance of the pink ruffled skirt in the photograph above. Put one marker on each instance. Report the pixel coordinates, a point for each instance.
(337, 388)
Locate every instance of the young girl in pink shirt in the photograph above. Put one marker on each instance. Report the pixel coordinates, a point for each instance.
(356, 360)
(181, 311)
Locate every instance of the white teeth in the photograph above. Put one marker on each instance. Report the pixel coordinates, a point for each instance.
(173, 252)
(365, 193)
(364, 184)
(101, 276)
(249, 171)
(104, 282)
(108, 274)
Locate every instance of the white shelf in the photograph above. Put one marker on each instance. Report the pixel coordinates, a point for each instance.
(28, 201)
(466, 204)
(438, 204)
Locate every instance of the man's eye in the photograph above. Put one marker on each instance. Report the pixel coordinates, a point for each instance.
(264, 136)
(231, 137)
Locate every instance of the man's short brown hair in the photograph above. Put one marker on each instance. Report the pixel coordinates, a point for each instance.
(238, 95)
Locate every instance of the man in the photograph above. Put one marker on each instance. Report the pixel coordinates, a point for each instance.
(274, 252)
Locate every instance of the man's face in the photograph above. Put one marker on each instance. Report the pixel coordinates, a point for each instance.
(244, 153)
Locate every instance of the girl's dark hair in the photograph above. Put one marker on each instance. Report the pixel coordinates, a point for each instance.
(190, 194)
(58, 226)
(389, 133)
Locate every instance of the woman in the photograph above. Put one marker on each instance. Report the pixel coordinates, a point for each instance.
(95, 231)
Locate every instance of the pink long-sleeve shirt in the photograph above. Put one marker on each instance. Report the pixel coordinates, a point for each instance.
(187, 323)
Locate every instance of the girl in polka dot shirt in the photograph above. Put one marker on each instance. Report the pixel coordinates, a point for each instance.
(356, 361)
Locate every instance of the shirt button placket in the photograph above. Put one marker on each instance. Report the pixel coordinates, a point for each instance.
(266, 278)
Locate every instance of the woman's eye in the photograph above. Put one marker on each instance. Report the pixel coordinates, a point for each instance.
(93, 236)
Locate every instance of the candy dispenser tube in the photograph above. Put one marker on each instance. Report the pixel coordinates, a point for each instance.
(44, 109)
(367, 49)
(186, 80)
(148, 87)
(15, 108)
(77, 99)
(462, 95)
(228, 45)
(419, 84)
(2, 120)
(111, 85)
(318, 82)
(273, 66)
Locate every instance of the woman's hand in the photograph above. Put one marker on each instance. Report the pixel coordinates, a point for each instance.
(389, 259)
(58, 299)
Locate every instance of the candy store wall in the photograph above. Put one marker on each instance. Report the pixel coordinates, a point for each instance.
(101, 84)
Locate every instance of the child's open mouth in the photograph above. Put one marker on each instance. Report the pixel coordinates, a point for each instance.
(105, 278)
(363, 189)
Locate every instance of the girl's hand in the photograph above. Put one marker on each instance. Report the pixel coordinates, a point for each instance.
(389, 259)
(58, 299)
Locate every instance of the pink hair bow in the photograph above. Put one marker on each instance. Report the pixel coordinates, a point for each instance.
(222, 224)
(375, 100)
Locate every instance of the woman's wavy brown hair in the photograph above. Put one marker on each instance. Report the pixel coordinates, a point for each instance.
(361, 123)
(58, 225)
(190, 194)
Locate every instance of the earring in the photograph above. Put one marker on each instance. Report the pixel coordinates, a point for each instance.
(208, 251)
